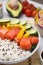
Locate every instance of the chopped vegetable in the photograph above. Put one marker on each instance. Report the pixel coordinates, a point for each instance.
(28, 26)
(29, 9)
(20, 34)
(26, 34)
(23, 10)
(16, 21)
(36, 18)
(28, 12)
(22, 22)
(8, 25)
(4, 27)
(4, 20)
(18, 26)
(24, 3)
(33, 32)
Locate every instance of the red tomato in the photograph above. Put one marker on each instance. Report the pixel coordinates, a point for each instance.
(28, 6)
(25, 44)
(3, 32)
(24, 8)
(34, 12)
(24, 3)
(28, 12)
(33, 8)
(31, 5)
(34, 40)
(12, 33)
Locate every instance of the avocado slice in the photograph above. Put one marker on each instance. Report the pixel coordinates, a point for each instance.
(14, 13)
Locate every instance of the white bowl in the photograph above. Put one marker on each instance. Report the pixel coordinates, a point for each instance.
(24, 58)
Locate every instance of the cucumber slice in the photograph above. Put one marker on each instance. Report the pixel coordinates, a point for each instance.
(15, 21)
(22, 22)
(28, 26)
(33, 32)
(4, 20)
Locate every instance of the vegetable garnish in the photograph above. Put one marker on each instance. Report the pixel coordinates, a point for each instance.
(29, 9)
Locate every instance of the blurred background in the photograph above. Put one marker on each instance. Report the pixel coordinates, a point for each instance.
(39, 1)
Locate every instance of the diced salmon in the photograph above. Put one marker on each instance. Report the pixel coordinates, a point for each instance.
(3, 33)
(17, 40)
(12, 33)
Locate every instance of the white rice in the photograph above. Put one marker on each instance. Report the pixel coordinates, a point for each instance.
(9, 50)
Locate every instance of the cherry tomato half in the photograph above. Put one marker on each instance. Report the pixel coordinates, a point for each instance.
(28, 12)
(24, 3)
(24, 8)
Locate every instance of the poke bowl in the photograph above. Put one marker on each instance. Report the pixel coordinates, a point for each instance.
(19, 40)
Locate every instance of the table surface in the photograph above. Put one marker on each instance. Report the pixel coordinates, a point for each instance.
(39, 1)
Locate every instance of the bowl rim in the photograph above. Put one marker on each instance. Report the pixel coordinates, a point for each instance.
(26, 57)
